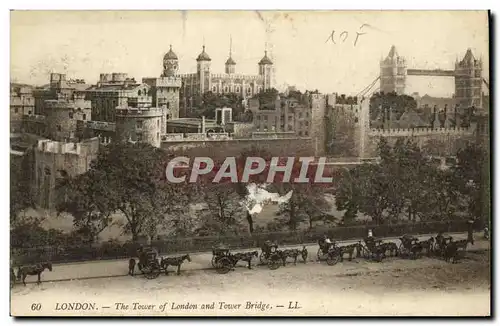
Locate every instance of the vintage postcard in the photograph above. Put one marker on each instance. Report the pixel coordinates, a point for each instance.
(250, 163)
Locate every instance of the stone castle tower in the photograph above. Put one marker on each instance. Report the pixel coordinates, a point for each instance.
(266, 71)
(393, 73)
(203, 71)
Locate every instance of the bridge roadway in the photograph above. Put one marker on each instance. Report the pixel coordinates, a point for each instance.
(200, 261)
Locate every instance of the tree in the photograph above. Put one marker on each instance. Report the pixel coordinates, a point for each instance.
(224, 211)
(267, 98)
(134, 175)
(471, 179)
(88, 199)
(398, 104)
(210, 101)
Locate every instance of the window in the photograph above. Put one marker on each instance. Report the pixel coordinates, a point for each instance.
(58, 127)
(139, 93)
(158, 123)
(249, 90)
(238, 89)
(70, 115)
(16, 110)
(168, 105)
(158, 136)
(84, 117)
(306, 133)
(138, 124)
(226, 89)
(214, 89)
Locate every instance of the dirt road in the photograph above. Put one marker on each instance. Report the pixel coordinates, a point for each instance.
(397, 287)
(109, 268)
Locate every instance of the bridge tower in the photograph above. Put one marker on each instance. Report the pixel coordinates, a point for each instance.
(393, 73)
(468, 81)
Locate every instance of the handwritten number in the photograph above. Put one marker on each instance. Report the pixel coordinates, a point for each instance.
(331, 37)
(346, 35)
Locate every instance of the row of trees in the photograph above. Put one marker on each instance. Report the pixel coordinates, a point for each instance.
(130, 179)
(407, 185)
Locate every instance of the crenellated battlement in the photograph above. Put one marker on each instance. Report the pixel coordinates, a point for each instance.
(138, 112)
(408, 132)
(56, 147)
(238, 76)
(175, 81)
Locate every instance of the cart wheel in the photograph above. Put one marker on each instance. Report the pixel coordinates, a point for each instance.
(153, 272)
(262, 258)
(224, 265)
(213, 262)
(332, 258)
(274, 263)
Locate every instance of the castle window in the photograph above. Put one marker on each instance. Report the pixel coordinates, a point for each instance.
(138, 124)
(145, 92)
(139, 93)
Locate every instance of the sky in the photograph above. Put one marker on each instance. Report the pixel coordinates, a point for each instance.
(84, 44)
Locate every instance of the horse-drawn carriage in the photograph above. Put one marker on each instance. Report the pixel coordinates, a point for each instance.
(270, 255)
(148, 263)
(373, 248)
(329, 251)
(222, 260)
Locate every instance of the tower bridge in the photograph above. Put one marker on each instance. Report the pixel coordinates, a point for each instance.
(467, 74)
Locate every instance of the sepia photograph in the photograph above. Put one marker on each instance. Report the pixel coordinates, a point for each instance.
(307, 163)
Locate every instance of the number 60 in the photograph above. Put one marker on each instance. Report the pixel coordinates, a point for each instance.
(36, 306)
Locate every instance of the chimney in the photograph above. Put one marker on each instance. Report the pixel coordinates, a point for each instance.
(203, 124)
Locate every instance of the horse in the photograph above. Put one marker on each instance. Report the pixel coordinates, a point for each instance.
(391, 247)
(33, 270)
(245, 256)
(349, 249)
(131, 266)
(294, 253)
(428, 245)
(452, 250)
(174, 261)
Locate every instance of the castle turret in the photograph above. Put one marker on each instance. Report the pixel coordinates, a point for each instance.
(393, 73)
(266, 71)
(170, 63)
(230, 63)
(203, 69)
